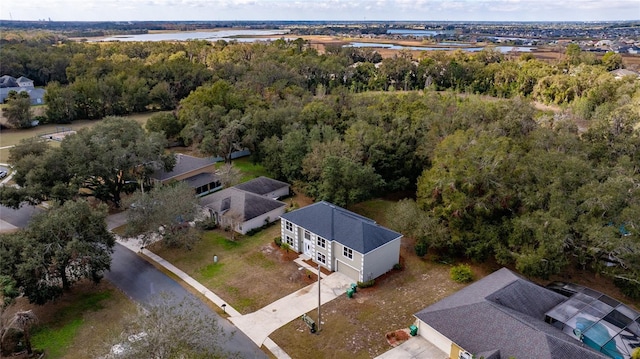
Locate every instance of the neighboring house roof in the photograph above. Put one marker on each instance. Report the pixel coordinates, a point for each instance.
(345, 227)
(619, 73)
(248, 204)
(184, 164)
(200, 179)
(8, 81)
(34, 93)
(23, 80)
(504, 313)
(262, 185)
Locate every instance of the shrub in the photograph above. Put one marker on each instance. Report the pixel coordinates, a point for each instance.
(397, 266)
(461, 273)
(278, 241)
(628, 286)
(207, 224)
(421, 248)
(367, 284)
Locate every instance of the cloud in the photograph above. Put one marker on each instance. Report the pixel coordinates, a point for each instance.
(507, 10)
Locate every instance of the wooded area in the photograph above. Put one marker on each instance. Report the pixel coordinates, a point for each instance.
(486, 174)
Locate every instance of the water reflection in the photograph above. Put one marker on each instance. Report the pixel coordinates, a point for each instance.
(450, 47)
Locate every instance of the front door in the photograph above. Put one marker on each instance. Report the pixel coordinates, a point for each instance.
(307, 249)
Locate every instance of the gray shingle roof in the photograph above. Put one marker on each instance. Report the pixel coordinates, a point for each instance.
(504, 312)
(184, 164)
(200, 179)
(8, 81)
(262, 185)
(345, 227)
(248, 204)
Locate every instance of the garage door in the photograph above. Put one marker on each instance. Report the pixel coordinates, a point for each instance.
(348, 270)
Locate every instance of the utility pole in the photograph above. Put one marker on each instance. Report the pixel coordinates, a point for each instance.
(319, 317)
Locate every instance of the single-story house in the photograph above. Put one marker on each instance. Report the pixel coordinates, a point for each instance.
(265, 187)
(501, 316)
(341, 240)
(199, 173)
(241, 210)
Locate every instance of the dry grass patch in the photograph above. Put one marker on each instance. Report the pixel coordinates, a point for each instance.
(357, 327)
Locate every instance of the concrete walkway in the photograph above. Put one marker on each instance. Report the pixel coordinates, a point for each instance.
(259, 324)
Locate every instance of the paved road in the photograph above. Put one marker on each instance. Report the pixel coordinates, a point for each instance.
(17, 218)
(143, 282)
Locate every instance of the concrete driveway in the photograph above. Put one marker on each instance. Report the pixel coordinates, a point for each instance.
(415, 348)
(259, 324)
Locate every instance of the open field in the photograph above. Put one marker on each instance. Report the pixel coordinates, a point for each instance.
(83, 323)
(11, 137)
(546, 53)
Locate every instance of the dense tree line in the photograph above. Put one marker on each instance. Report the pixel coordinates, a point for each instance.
(488, 176)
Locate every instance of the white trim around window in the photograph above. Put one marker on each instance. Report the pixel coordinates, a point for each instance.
(321, 258)
(288, 226)
(321, 242)
(347, 252)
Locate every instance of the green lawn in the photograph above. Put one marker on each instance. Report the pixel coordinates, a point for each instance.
(14, 136)
(82, 323)
(250, 272)
(249, 170)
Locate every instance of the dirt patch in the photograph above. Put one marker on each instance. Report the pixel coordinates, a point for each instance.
(314, 265)
(358, 325)
(397, 337)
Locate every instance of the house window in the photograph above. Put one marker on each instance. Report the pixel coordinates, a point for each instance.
(288, 226)
(347, 252)
(321, 242)
(307, 235)
(321, 258)
(289, 240)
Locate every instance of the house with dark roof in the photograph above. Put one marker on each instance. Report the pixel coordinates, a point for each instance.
(242, 210)
(500, 316)
(199, 173)
(266, 187)
(341, 241)
(21, 84)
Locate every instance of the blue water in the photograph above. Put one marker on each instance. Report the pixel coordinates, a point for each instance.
(503, 49)
(226, 35)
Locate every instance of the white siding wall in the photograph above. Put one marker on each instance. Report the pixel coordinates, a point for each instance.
(273, 216)
(434, 337)
(381, 260)
(356, 262)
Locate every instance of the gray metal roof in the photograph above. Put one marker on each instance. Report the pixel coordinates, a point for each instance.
(345, 227)
(248, 204)
(262, 185)
(184, 164)
(504, 312)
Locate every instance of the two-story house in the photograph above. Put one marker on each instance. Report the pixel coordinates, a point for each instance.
(341, 241)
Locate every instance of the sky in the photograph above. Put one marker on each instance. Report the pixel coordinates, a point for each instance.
(398, 10)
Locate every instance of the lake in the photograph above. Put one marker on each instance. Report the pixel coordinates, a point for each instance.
(409, 32)
(503, 49)
(240, 35)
